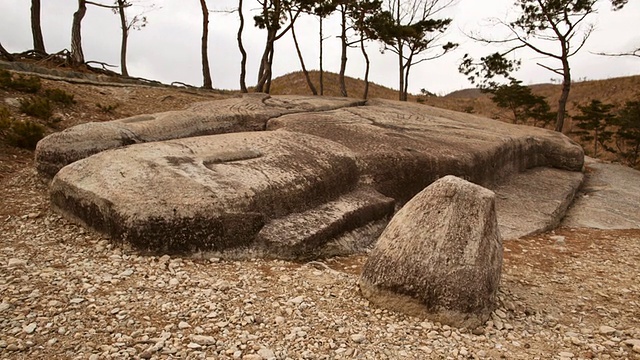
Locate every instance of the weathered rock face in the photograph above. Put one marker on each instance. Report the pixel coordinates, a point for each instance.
(328, 175)
(440, 256)
(608, 200)
(249, 113)
(535, 200)
(403, 147)
(221, 192)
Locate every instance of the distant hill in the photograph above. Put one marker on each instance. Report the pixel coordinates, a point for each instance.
(295, 84)
(614, 90)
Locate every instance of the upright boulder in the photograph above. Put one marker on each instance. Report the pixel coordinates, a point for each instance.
(440, 256)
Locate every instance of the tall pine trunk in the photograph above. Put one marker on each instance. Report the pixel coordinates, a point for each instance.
(321, 69)
(564, 96)
(125, 38)
(243, 52)
(365, 95)
(343, 58)
(206, 73)
(264, 73)
(267, 88)
(304, 68)
(77, 56)
(36, 29)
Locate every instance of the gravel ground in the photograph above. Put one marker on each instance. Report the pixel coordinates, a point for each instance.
(67, 293)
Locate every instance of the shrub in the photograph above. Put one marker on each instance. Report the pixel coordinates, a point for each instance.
(5, 79)
(107, 109)
(37, 106)
(25, 134)
(28, 84)
(59, 96)
(5, 120)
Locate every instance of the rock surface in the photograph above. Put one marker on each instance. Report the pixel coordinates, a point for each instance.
(440, 256)
(609, 198)
(535, 200)
(403, 147)
(222, 192)
(327, 174)
(248, 113)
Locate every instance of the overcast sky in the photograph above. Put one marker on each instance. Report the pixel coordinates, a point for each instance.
(168, 49)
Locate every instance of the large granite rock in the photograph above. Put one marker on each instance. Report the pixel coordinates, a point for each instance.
(248, 113)
(402, 147)
(324, 178)
(279, 193)
(440, 257)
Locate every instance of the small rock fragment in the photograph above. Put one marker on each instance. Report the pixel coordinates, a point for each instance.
(358, 338)
(606, 330)
(266, 354)
(29, 329)
(183, 325)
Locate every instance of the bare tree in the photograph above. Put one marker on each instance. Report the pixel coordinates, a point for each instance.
(125, 36)
(302, 65)
(322, 9)
(273, 18)
(541, 22)
(414, 35)
(357, 20)
(243, 52)
(635, 53)
(206, 73)
(343, 47)
(77, 56)
(127, 24)
(36, 29)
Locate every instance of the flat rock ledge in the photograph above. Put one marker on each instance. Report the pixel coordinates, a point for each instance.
(295, 177)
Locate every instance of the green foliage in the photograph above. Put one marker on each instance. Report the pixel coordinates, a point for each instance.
(37, 106)
(522, 103)
(594, 119)
(483, 73)
(539, 16)
(28, 84)
(25, 134)
(59, 96)
(628, 134)
(107, 109)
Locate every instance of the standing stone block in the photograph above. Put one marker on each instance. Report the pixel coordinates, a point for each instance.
(440, 256)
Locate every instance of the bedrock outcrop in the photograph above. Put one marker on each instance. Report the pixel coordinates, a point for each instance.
(248, 113)
(290, 176)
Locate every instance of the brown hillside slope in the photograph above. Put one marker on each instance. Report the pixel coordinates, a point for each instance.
(614, 90)
(295, 84)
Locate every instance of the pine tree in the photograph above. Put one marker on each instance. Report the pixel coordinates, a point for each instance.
(594, 120)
